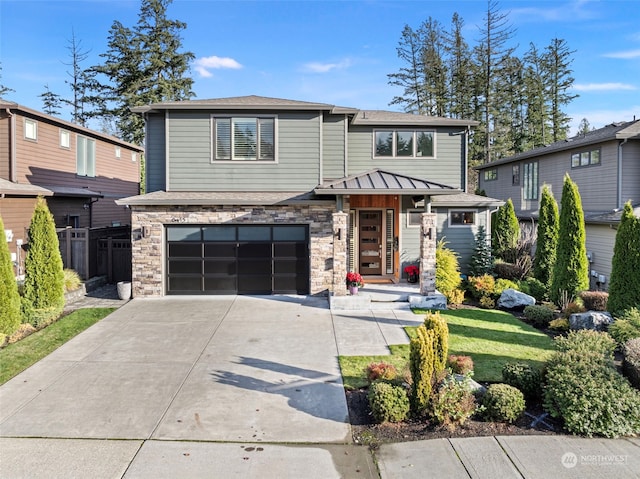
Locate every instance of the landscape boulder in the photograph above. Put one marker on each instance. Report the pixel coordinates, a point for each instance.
(596, 320)
(513, 299)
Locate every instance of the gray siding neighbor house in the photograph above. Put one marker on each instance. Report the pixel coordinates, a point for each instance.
(261, 195)
(604, 163)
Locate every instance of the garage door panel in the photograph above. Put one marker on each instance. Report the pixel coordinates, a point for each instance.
(185, 284)
(294, 250)
(254, 266)
(220, 285)
(220, 250)
(221, 266)
(291, 266)
(180, 266)
(254, 250)
(185, 250)
(255, 284)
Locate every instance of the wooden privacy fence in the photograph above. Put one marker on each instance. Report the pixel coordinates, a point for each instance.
(81, 251)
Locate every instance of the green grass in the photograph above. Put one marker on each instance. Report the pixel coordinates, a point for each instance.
(17, 357)
(492, 338)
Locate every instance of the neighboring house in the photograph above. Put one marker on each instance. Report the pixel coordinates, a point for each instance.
(263, 195)
(79, 171)
(604, 163)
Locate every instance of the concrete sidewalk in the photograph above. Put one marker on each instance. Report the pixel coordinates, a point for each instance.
(242, 387)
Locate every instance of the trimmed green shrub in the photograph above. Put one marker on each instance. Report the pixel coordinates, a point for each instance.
(534, 287)
(10, 317)
(592, 398)
(455, 297)
(43, 298)
(559, 324)
(595, 300)
(502, 284)
(571, 269)
(525, 377)
(505, 231)
(481, 261)
(438, 325)
(626, 326)
(460, 364)
(538, 315)
(503, 403)
(481, 286)
(389, 403)
(421, 363)
(72, 280)
(453, 403)
(624, 284)
(487, 302)
(631, 362)
(447, 269)
(547, 238)
(381, 371)
(587, 344)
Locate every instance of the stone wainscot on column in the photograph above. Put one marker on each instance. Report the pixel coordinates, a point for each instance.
(339, 253)
(428, 254)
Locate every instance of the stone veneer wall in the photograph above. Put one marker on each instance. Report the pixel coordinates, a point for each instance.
(428, 228)
(148, 245)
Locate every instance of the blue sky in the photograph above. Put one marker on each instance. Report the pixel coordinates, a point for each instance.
(337, 52)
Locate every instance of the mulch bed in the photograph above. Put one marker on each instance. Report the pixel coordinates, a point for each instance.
(366, 431)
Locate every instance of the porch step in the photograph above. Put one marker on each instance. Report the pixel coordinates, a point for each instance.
(388, 296)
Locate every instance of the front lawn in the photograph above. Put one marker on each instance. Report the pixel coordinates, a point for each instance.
(17, 357)
(492, 338)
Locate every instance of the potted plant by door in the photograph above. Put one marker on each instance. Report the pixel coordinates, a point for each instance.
(412, 273)
(354, 281)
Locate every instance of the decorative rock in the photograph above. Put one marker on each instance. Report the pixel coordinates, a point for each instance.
(434, 300)
(513, 299)
(597, 320)
(475, 387)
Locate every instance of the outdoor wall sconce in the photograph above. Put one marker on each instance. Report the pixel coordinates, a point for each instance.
(339, 234)
(146, 231)
(427, 234)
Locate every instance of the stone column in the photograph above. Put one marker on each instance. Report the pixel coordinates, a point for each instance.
(428, 254)
(339, 253)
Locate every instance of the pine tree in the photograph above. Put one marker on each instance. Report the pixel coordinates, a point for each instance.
(10, 317)
(584, 127)
(571, 270)
(624, 284)
(50, 102)
(481, 262)
(459, 68)
(558, 60)
(435, 69)
(505, 232)
(44, 276)
(547, 239)
(78, 82)
(409, 78)
(537, 115)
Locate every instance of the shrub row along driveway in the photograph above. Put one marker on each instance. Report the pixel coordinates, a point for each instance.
(236, 369)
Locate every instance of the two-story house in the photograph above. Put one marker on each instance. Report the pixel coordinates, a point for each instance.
(262, 195)
(604, 163)
(80, 172)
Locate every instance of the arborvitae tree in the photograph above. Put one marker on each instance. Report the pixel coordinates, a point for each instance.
(50, 102)
(624, 284)
(438, 325)
(10, 317)
(421, 365)
(571, 270)
(481, 261)
(447, 269)
(547, 239)
(44, 276)
(505, 231)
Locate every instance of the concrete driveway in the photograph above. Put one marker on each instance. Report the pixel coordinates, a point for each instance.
(244, 370)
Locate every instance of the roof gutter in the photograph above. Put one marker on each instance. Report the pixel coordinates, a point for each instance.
(620, 171)
(13, 175)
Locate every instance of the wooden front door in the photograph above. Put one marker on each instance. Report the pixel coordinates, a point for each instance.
(370, 238)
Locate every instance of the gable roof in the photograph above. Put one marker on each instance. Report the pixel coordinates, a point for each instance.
(382, 182)
(250, 102)
(615, 131)
(18, 189)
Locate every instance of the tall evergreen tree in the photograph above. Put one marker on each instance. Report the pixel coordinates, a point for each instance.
(547, 239)
(10, 317)
(624, 284)
(143, 65)
(78, 80)
(3, 88)
(44, 276)
(460, 70)
(537, 116)
(409, 78)
(584, 127)
(481, 261)
(50, 101)
(571, 270)
(435, 69)
(505, 232)
(558, 60)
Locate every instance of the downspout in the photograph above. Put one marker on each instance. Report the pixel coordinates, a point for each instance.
(346, 145)
(620, 172)
(166, 150)
(466, 159)
(13, 174)
(320, 172)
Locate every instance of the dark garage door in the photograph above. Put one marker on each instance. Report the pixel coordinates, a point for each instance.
(242, 259)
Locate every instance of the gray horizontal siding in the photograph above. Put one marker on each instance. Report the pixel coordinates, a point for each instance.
(631, 172)
(445, 168)
(191, 168)
(155, 166)
(333, 147)
(600, 240)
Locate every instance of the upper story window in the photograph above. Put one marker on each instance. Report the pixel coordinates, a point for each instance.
(65, 139)
(30, 129)
(515, 175)
(490, 175)
(244, 138)
(403, 144)
(462, 217)
(85, 156)
(134, 156)
(530, 178)
(585, 158)
(118, 152)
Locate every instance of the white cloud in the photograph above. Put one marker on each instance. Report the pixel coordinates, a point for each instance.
(318, 67)
(603, 86)
(626, 55)
(204, 64)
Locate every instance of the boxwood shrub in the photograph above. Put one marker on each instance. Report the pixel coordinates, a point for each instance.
(389, 403)
(525, 377)
(503, 403)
